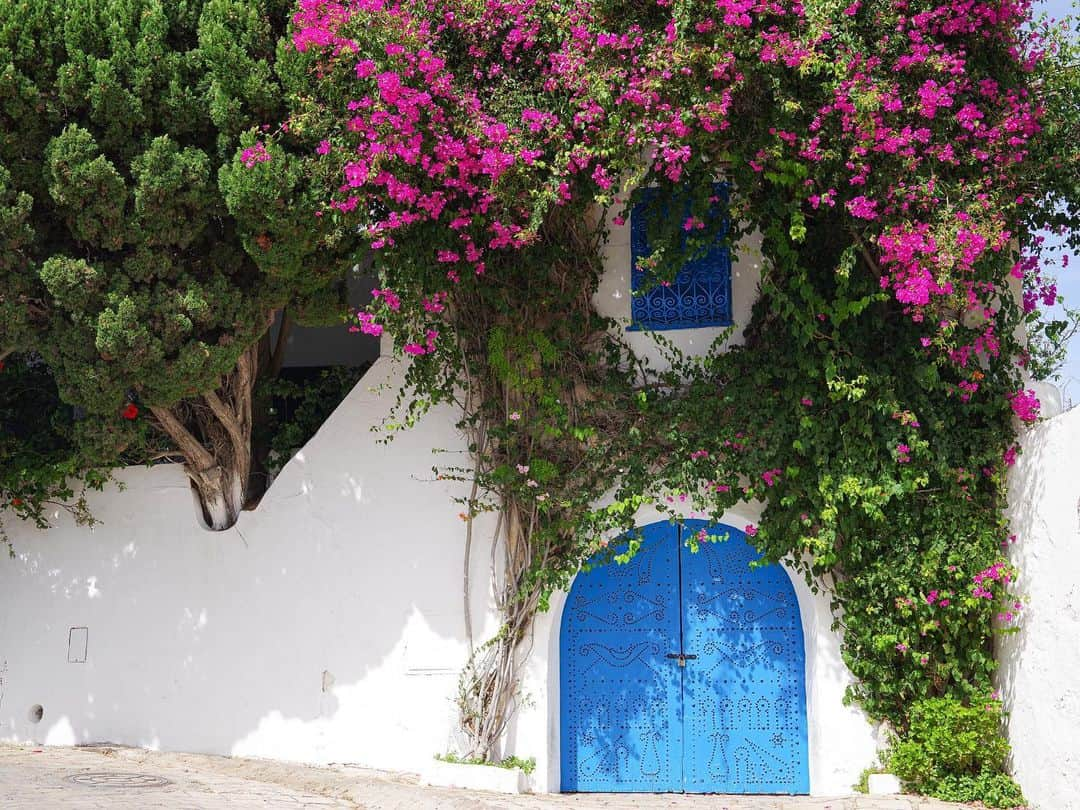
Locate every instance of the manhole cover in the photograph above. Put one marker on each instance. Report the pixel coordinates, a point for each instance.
(118, 780)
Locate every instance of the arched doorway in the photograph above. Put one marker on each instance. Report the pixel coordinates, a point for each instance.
(684, 671)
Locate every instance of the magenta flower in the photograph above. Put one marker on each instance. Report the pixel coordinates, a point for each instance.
(1025, 405)
(254, 154)
(863, 208)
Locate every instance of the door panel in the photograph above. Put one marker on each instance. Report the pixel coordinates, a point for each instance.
(744, 701)
(621, 712)
(732, 720)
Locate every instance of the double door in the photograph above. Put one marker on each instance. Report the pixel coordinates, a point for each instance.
(683, 671)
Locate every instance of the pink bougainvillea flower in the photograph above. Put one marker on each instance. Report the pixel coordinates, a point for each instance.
(1025, 405)
(863, 208)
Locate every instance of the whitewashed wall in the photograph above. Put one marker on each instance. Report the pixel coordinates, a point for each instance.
(1040, 675)
(326, 626)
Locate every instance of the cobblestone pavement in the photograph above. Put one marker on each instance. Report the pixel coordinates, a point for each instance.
(116, 778)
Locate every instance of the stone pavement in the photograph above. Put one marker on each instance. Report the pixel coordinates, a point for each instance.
(116, 778)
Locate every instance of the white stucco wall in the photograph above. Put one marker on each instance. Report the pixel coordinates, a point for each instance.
(327, 625)
(1040, 664)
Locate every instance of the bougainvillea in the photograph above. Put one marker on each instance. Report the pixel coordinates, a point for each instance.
(882, 150)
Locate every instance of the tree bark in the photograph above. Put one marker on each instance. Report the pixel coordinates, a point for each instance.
(213, 433)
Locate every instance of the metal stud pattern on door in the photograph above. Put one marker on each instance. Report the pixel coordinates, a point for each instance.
(684, 671)
(744, 699)
(621, 724)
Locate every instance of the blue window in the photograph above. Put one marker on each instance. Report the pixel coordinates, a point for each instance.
(699, 296)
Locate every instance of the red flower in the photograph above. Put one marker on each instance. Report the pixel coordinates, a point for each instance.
(130, 412)
(16, 502)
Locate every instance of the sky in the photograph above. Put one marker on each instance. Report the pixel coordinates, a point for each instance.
(1068, 278)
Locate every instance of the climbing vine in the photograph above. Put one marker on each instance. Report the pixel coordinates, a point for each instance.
(885, 151)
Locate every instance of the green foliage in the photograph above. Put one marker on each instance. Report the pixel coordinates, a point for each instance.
(1056, 185)
(895, 543)
(16, 237)
(37, 467)
(1056, 188)
(955, 751)
(143, 287)
(1049, 340)
(869, 407)
(863, 784)
(121, 266)
(526, 766)
(990, 788)
(240, 41)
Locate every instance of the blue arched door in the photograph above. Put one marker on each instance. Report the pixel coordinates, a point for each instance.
(684, 671)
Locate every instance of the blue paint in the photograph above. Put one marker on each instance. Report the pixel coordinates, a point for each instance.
(744, 697)
(732, 720)
(700, 295)
(621, 698)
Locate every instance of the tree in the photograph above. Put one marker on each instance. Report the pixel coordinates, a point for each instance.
(123, 268)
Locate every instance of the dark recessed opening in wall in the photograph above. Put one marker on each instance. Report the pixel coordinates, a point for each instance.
(330, 342)
(311, 366)
(298, 402)
(37, 711)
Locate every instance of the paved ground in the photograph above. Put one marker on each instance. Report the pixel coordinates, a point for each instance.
(111, 778)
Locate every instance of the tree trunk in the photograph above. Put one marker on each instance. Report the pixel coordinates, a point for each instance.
(213, 433)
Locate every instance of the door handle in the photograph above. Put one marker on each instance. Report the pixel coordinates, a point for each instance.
(682, 658)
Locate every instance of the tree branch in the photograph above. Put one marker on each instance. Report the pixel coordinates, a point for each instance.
(189, 446)
(228, 420)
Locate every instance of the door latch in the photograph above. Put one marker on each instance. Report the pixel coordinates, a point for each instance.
(681, 657)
